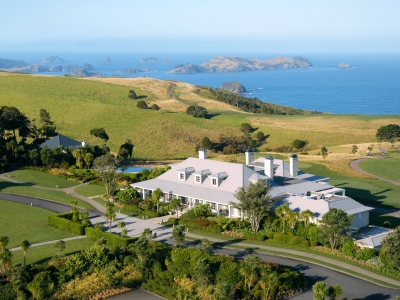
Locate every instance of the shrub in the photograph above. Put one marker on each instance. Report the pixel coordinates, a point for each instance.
(365, 254)
(296, 240)
(63, 222)
(254, 236)
(112, 239)
(281, 237)
(155, 107)
(348, 248)
(270, 235)
(305, 243)
(313, 244)
(141, 104)
(173, 221)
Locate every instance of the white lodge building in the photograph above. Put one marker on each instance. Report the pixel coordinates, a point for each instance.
(199, 180)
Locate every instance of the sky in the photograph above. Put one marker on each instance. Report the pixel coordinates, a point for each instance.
(312, 26)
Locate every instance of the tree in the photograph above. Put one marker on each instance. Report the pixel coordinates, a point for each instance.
(202, 272)
(106, 167)
(255, 202)
(390, 254)
(305, 216)
(110, 214)
(246, 128)
(59, 247)
(156, 196)
(128, 194)
(100, 133)
(88, 158)
(205, 245)
(4, 240)
(299, 144)
(11, 119)
(389, 133)
(269, 282)
(283, 212)
(79, 155)
(261, 136)
(196, 111)
(354, 149)
(178, 235)
(155, 107)
(132, 95)
(320, 290)
(25, 245)
(41, 285)
(335, 292)
(249, 268)
(334, 225)
(141, 104)
(202, 210)
(324, 152)
(175, 204)
(126, 149)
(206, 143)
(5, 259)
(74, 202)
(47, 128)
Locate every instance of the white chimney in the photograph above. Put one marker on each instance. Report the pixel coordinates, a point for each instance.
(269, 166)
(294, 168)
(202, 153)
(249, 156)
(83, 143)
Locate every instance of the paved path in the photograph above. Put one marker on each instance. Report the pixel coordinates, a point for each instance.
(52, 242)
(303, 256)
(68, 190)
(354, 166)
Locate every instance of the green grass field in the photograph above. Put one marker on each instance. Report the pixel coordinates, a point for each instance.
(168, 133)
(58, 196)
(91, 190)
(22, 222)
(388, 167)
(42, 179)
(41, 254)
(367, 191)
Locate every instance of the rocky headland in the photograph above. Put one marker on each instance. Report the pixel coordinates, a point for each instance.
(53, 60)
(233, 87)
(149, 60)
(9, 63)
(344, 66)
(222, 64)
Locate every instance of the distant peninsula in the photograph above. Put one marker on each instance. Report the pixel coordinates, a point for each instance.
(221, 64)
(233, 87)
(9, 63)
(53, 60)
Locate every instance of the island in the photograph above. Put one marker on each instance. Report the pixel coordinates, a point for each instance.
(149, 60)
(53, 60)
(134, 70)
(9, 63)
(222, 64)
(233, 87)
(168, 60)
(344, 66)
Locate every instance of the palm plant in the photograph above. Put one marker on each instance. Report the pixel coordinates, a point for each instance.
(25, 244)
(283, 212)
(4, 240)
(110, 213)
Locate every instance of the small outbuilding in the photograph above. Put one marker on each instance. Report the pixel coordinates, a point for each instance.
(62, 141)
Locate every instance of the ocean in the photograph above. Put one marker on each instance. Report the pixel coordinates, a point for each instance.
(371, 86)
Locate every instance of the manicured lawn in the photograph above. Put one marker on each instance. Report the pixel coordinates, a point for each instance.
(388, 167)
(43, 253)
(41, 178)
(366, 191)
(22, 222)
(58, 196)
(91, 190)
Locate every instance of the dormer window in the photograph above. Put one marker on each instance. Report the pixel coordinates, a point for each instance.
(198, 179)
(182, 176)
(214, 181)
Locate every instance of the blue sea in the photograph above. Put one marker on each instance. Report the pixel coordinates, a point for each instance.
(371, 86)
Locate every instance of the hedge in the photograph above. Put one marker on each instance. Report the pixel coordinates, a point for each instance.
(112, 239)
(63, 222)
(254, 236)
(138, 210)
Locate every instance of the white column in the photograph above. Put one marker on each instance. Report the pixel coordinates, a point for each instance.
(143, 194)
(229, 211)
(217, 206)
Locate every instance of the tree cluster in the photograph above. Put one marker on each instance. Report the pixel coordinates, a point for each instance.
(196, 111)
(388, 133)
(253, 105)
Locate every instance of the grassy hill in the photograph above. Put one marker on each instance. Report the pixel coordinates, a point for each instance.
(78, 105)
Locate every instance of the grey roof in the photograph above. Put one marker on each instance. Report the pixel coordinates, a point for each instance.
(61, 141)
(203, 172)
(186, 170)
(219, 175)
(322, 206)
(371, 236)
(300, 188)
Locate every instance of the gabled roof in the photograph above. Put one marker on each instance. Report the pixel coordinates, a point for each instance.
(322, 206)
(61, 141)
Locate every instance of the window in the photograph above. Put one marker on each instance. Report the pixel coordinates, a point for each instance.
(181, 176)
(359, 215)
(214, 181)
(212, 205)
(198, 179)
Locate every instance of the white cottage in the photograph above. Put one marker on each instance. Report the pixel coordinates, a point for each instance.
(200, 180)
